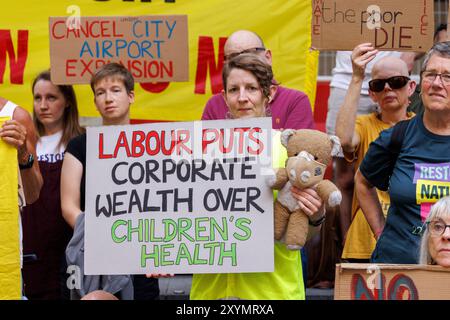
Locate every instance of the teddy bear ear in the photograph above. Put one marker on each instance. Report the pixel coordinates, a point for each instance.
(336, 149)
(285, 135)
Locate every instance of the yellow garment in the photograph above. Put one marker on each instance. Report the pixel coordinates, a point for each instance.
(285, 283)
(10, 287)
(360, 241)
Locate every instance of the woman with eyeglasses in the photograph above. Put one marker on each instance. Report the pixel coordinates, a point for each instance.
(389, 88)
(411, 161)
(435, 246)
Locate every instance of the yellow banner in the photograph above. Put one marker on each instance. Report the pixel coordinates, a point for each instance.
(10, 287)
(283, 25)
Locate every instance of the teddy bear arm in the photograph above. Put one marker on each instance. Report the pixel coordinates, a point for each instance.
(280, 179)
(329, 193)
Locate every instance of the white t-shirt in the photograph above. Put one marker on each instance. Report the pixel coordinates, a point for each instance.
(47, 148)
(342, 72)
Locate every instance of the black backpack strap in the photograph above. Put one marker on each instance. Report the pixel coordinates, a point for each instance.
(398, 133)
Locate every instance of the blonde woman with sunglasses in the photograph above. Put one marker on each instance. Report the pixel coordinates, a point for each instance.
(390, 88)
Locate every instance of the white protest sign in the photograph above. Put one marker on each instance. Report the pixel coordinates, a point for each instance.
(184, 197)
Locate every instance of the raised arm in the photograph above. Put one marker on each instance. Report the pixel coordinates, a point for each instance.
(369, 203)
(71, 174)
(346, 117)
(20, 133)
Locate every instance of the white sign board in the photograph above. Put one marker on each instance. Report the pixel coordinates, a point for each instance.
(179, 198)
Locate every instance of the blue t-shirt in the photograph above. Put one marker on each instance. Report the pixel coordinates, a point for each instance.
(420, 177)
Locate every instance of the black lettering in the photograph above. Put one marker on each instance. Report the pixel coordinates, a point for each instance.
(114, 176)
(103, 210)
(117, 203)
(251, 198)
(149, 171)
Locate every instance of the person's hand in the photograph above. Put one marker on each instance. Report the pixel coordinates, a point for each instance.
(159, 275)
(308, 200)
(361, 56)
(15, 134)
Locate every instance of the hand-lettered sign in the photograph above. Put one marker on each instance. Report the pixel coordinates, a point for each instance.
(153, 48)
(358, 281)
(389, 25)
(187, 197)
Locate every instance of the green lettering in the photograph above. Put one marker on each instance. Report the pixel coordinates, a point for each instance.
(184, 224)
(170, 229)
(138, 230)
(222, 231)
(212, 249)
(183, 253)
(165, 253)
(114, 236)
(241, 224)
(227, 254)
(153, 238)
(199, 229)
(197, 260)
(152, 255)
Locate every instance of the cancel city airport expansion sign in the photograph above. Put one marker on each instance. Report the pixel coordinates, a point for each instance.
(186, 197)
(401, 25)
(153, 48)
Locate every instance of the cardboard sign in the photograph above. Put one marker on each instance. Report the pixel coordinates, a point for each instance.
(179, 198)
(358, 281)
(389, 25)
(153, 48)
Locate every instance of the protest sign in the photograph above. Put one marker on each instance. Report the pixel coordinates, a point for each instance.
(10, 287)
(388, 25)
(359, 281)
(179, 198)
(153, 48)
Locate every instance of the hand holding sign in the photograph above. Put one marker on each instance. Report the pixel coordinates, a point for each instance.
(361, 56)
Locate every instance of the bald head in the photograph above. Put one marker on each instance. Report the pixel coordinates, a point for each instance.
(388, 67)
(242, 40)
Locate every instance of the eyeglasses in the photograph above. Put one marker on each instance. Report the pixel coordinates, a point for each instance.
(430, 76)
(437, 228)
(235, 54)
(397, 82)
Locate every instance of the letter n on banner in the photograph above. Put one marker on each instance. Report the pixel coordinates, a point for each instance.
(10, 287)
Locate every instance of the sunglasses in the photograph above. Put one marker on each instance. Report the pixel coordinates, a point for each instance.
(397, 82)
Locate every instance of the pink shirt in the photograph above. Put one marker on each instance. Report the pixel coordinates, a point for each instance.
(290, 109)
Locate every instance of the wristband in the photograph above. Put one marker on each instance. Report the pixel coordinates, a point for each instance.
(318, 222)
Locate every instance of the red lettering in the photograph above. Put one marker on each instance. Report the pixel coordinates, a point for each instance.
(122, 142)
(154, 135)
(360, 291)
(91, 29)
(224, 149)
(258, 142)
(70, 67)
(16, 63)
(205, 141)
(205, 60)
(101, 154)
(166, 151)
(138, 138)
(115, 34)
(54, 30)
(183, 136)
(86, 67)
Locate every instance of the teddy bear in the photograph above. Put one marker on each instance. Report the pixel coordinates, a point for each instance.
(309, 153)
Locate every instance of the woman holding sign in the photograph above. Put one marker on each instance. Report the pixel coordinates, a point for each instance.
(248, 87)
(45, 233)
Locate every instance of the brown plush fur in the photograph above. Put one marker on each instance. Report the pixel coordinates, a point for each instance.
(303, 170)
